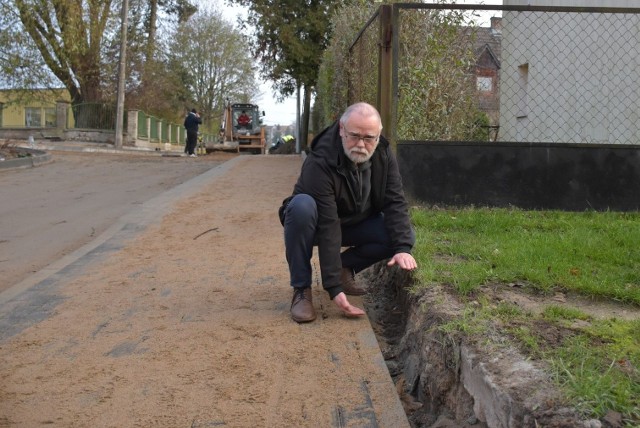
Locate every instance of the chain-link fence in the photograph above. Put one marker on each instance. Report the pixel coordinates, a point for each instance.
(364, 64)
(501, 73)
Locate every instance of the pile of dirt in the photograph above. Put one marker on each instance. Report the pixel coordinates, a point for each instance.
(287, 148)
(452, 380)
(9, 150)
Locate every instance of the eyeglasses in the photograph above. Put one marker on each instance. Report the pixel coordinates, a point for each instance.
(354, 138)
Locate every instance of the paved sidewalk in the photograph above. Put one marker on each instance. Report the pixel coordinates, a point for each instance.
(178, 316)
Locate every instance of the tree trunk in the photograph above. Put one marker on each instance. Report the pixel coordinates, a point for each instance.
(151, 42)
(147, 68)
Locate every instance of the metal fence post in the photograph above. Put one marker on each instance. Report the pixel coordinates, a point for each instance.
(385, 74)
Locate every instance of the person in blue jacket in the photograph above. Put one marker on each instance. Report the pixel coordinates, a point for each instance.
(349, 194)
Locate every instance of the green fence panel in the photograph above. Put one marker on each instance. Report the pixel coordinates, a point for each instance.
(142, 125)
(154, 129)
(165, 132)
(175, 134)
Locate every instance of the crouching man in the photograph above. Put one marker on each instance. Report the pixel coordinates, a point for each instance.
(349, 194)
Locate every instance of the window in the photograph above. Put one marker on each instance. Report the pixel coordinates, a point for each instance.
(33, 117)
(39, 117)
(484, 83)
(523, 90)
(50, 117)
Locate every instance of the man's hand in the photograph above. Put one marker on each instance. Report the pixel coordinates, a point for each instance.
(404, 260)
(349, 310)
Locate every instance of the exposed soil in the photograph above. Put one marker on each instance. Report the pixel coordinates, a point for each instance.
(449, 381)
(8, 151)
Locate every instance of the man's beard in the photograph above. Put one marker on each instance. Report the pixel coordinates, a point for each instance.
(358, 155)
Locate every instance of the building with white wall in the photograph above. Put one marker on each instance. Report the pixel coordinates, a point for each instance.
(570, 77)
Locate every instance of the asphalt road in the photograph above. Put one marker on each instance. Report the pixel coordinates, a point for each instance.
(51, 210)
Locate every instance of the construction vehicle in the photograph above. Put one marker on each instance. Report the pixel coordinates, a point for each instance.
(242, 128)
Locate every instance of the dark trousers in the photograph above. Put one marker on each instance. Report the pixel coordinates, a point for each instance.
(192, 140)
(368, 241)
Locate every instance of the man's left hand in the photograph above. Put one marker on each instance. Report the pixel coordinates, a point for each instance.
(404, 260)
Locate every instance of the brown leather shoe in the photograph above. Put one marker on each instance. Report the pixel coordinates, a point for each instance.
(349, 285)
(302, 305)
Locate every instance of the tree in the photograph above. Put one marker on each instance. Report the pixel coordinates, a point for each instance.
(69, 40)
(182, 9)
(147, 24)
(53, 43)
(151, 84)
(73, 43)
(289, 39)
(333, 81)
(436, 97)
(21, 65)
(437, 87)
(213, 62)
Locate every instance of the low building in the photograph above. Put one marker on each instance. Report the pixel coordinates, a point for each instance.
(488, 51)
(33, 109)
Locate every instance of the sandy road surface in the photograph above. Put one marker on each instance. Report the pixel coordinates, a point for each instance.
(50, 210)
(188, 325)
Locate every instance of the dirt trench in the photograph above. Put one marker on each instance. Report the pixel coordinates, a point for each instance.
(447, 381)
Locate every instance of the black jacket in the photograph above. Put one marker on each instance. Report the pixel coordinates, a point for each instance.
(324, 176)
(191, 122)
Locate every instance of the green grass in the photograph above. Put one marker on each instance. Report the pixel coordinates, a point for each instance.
(597, 255)
(594, 254)
(599, 369)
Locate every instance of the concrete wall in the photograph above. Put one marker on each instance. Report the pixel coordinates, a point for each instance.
(582, 80)
(58, 133)
(105, 137)
(571, 177)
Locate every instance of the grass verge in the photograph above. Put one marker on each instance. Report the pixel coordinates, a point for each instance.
(595, 361)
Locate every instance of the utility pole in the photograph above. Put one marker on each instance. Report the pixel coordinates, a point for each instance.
(121, 75)
(298, 118)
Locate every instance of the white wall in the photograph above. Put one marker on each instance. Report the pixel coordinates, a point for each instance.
(586, 3)
(583, 76)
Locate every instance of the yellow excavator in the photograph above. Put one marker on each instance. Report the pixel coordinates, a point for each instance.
(242, 128)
